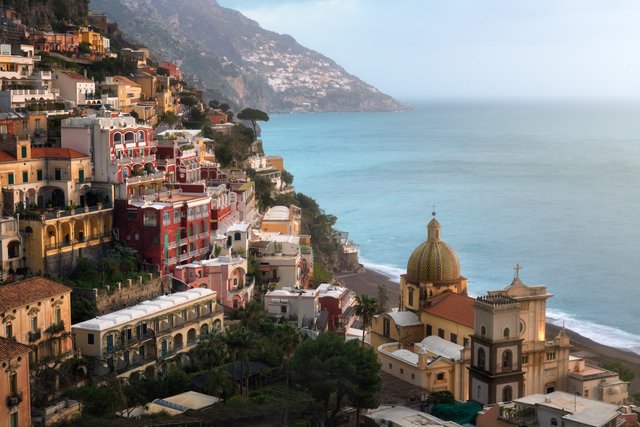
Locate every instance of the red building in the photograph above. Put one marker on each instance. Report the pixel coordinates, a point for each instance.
(173, 229)
(179, 160)
(340, 303)
(56, 42)
(172, 69)
(217, 117)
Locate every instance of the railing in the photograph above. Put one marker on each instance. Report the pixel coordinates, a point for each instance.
(204, 235)
(172, 261)
(144, 178)
(193, 253)
(14, 399)
(35, 335)
(136, 159)
(56, 327)
(184, 257)
(172, 245)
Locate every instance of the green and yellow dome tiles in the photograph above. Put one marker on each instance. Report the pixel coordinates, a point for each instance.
(434, 260)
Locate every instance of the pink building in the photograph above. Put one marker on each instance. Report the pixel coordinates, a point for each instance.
(225, 275)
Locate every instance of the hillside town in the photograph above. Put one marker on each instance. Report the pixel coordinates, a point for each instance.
(159, 268)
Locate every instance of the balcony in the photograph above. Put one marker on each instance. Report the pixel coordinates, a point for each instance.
(184, 257)
(204, 235)
(35, 335)
(172, 261)
(136, 159)
(159, 176)
(172, 245)
(56, 328)
(14, 399)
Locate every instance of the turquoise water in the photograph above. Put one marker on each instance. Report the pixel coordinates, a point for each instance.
(554, 187)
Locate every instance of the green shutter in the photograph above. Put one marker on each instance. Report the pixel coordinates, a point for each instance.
(25, 176)
(10, 178)
(24, 151)
(81, 175)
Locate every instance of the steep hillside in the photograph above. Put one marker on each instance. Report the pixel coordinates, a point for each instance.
(232, 55)
(49, 14)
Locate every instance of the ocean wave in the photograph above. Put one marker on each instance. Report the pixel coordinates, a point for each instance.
(392, 272)
(605, 335)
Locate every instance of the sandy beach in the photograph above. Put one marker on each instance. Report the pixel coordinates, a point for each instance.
(598, 353)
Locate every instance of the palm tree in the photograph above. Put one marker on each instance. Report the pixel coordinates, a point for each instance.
(211, 350)
(241, 341)
(288, 338)
(367, 308)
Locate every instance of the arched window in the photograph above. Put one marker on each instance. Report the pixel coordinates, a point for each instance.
(507, 394)
(507, 359)
(411, 296)
(483, 332)
(128, 137)
(505, 333)
(125, 172)
(481, 358)
(237, 236)
(117, 138)
(141, 136)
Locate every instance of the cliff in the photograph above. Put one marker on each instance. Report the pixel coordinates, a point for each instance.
(49, 14)
(241, 62)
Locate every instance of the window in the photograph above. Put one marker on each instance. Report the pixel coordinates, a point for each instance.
(386, 327)
(13, 418)
(401, 371)
(507, 394)
(25, 176)
(10, 178)
(481, 358)
(390, 366)
(465, 342)
(429, 330)
(57, 314)
(37, 125)
(551, 355)
(91, 339)
(81, 175)
(39, 174)
(132, 214)
(554, 422)
(440, 376)
(57, 174)
(413, 376)
(166, 218)
(441, 333)
(4, 130)
(150, 218)
(454, 338)
(23, 151)
(586, 392)
(34, 323)
(507, 359)
(505, 333)
(9, 329)
(525, 359)
(411, 297)
(176, 216)
(483, 331)
(283, 309)
(110, 342)
(13, 383)
(190, 213)
(237, 236)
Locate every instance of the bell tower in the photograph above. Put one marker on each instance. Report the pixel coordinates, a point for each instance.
(496, 372)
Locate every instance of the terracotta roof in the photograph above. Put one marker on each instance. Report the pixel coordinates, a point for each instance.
(6, 157)
(78, 77)
(29, 291)
(10, 349)
(56, 153)
(126, 81)
(451, 306)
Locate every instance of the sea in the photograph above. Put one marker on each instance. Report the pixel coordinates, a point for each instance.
(552, 186)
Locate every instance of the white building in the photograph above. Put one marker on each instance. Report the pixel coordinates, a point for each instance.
(301, 305)
(74, 87)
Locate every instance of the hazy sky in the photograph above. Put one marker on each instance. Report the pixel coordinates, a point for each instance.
(470, 48)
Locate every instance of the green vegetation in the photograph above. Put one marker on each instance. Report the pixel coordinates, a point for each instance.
(233, 150)
(119, 264)
(253, 116)
(334, 371)
(320, 275)
(626, 373)
(367, 308)
(383, 299)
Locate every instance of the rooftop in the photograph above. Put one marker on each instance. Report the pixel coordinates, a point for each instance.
(401, 416)
(293, 292)
(579, 409)
(329, 290)
(28, 291)
(441, 347)
(223, 260)
(452, 306)
(78, 77)
(144, 309)
(404, 318)
(277, 213)
(10, 349)
(56, 153)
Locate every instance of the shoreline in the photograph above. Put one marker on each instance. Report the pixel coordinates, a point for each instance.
(367, 283)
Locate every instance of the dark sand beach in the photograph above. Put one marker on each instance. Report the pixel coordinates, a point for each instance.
(598, 353)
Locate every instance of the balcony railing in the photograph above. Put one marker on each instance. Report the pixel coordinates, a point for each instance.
(35, 335)
(56, 328)
(145, 178)
(136, 159)
(14, 399)
(184, 257)
(204, 235)
(172, 261)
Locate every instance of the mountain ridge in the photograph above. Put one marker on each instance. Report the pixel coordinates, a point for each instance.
(236, 59)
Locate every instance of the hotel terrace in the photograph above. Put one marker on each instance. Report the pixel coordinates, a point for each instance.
(159, 331)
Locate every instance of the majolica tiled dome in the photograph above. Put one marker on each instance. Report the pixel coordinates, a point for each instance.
(433, 260)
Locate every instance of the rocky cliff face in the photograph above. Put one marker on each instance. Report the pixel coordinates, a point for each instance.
(49, 14)
(236, 59)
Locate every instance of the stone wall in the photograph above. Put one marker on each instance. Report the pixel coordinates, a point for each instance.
(123, 295)
(62, 264)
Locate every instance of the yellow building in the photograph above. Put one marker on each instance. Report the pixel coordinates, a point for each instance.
(282, 219)
(37, 312)
(53, 241)
(139, 339)
(41, 177)
(95, 40)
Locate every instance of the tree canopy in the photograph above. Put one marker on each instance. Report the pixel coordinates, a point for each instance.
(334, 371)
(253, 116)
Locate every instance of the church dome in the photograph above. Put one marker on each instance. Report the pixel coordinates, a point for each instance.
(433, 260)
